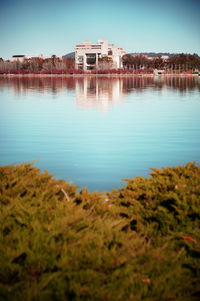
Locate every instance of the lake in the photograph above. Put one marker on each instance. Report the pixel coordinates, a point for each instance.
(96, 131)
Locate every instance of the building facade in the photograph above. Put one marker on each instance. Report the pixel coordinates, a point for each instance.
(88, 54)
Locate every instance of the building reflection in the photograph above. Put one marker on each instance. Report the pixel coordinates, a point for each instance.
(98, 91)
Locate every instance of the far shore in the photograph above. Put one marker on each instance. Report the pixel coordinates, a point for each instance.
(99, 75)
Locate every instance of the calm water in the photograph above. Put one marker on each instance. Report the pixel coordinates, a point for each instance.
(97, 131)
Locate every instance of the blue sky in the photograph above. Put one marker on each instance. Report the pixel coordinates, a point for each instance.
(54, 27)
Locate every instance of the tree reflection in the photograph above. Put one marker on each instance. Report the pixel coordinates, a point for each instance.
(93, 89)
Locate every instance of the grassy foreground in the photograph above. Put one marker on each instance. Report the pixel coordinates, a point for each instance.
(141, 242)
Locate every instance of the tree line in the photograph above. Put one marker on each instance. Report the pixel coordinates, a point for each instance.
(37, 64)
(176, 63)
(179, 62)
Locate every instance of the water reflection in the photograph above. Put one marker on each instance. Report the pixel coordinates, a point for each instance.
(98, 91)
(128, 83)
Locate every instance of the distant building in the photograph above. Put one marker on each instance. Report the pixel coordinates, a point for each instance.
(19, 58)
(49, 56)
(87, 54)
(165, 57)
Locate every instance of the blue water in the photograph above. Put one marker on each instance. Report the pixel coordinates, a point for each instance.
(97, 131)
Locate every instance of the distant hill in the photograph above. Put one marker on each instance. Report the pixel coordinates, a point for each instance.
(70, 55)
(156, 54)
(153, 54)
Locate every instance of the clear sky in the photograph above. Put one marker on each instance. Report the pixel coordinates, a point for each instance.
(55, 27)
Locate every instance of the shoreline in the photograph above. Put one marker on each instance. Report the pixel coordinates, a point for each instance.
(98, 75)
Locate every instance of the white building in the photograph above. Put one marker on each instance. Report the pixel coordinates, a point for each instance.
(165, 57)
(87, 54)
(20, 58)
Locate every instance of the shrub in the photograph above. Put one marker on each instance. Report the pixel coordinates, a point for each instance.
(141, 242)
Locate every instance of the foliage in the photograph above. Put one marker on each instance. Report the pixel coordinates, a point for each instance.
(135, 61)
(106, 63)
(185, 62)
(141, 242)
(36, 65)
(179, 62)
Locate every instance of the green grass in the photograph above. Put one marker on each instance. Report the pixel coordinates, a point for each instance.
(141, 242)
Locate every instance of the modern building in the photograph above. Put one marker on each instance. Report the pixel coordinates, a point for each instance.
(87, 54)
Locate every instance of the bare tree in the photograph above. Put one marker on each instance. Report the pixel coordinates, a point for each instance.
(106, 62)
